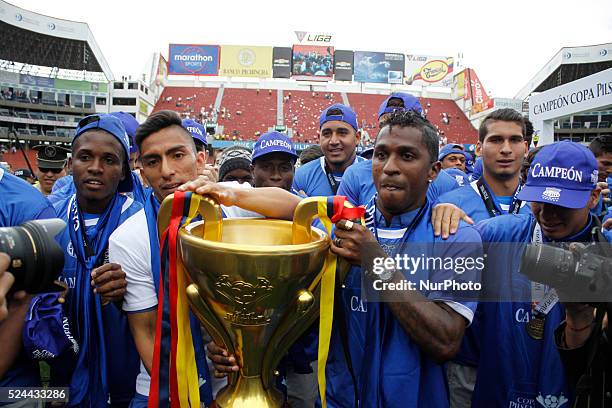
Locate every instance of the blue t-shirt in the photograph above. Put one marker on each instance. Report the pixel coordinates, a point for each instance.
(20, 203)
(358, 186)
(469, 200)
(312, 179)
(514, 369)
(390, 369)
(460, 177)
(123, 360)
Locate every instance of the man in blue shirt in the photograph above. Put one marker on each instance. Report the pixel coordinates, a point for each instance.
(20, 203)
(357, 183)
(396, 349)
(519, 364)
(339, 137)
(106, 365)
(502, 147)
(601, 147)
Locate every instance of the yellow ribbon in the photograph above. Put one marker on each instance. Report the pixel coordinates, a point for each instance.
(187, 372)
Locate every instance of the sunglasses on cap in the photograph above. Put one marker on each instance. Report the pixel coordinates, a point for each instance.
(55, 171)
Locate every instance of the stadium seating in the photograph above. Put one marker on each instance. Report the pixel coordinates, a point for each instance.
(459, 129)
(301, 112)
(249, 112)
(17, 161)
(169, 99)
(366, 108)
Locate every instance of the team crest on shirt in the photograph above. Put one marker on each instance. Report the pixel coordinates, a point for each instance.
(551, 194)
(551, 401)
(70, 249)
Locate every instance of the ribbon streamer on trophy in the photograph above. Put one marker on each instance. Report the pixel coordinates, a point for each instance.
(255, 284)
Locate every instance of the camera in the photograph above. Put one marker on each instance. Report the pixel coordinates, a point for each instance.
(582, 274)
(36, 258)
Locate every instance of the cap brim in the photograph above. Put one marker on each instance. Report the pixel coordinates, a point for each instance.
(51, 164)
(293, 155)
(567, 198)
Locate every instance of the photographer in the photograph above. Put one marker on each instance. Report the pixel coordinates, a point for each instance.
(19, 203)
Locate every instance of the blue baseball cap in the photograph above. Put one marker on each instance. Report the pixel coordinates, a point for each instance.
(410, 102)
(114, 126)
(272, 142)
(198, 132)
(130, 124)
(347, 116)
(563, 174)
(450, 149)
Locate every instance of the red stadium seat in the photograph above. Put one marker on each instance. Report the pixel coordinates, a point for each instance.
(257, 112)
(302, 110)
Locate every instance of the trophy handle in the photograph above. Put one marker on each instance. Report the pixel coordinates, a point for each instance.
(209, 209)
(303, 215)
(216, 330)
(302, 313)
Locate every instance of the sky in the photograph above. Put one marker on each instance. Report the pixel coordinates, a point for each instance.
(507, 43)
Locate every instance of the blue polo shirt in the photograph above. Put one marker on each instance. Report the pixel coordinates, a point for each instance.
(390, 369)
(312, 179)
(513, 368)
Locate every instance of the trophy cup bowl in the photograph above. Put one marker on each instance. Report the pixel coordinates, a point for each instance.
(255, 290)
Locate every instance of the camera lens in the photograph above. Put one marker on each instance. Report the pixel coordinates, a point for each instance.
(36, 258)
(545, 263)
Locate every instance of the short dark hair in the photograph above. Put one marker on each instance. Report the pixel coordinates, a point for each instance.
(410, 118)
(504, 115)
(310, 153)
(158, 121)
(528, 131)
(602, 144)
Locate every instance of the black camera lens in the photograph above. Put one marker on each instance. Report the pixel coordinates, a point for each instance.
(36, 258)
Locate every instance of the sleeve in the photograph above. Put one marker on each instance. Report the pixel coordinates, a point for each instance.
(129, 247)
(298, 182)
(347, 187)
(575, 360)
(463, 262)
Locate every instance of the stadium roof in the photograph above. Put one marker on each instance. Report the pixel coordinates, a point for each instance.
(569, 64)
(35, 39)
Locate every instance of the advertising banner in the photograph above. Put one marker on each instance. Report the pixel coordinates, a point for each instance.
(69, 85)
(476, 93)
(381, 67)
(246, 61)
(281, 62)
(36, 81)
(429, 70)
(9, 77)
(460, 85)
(343, 65)
(313, 62)
(190, 59)
(314, 38)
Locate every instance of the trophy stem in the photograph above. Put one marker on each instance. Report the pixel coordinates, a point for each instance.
(248, 392)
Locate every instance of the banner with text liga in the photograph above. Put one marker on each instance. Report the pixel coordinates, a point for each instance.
(193, 59)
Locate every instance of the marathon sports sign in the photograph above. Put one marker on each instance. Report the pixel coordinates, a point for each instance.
(190, 59)
(584, 94)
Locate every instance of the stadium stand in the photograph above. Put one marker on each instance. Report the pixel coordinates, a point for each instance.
(247, 112)
(301, 112)
(458, 129)
(188, 101)
(366, 108)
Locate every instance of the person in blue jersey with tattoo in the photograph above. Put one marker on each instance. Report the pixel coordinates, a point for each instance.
(391, 354)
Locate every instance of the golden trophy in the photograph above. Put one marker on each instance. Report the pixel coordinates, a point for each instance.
(255, 288)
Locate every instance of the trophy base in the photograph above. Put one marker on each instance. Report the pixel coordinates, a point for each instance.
(248, 392)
